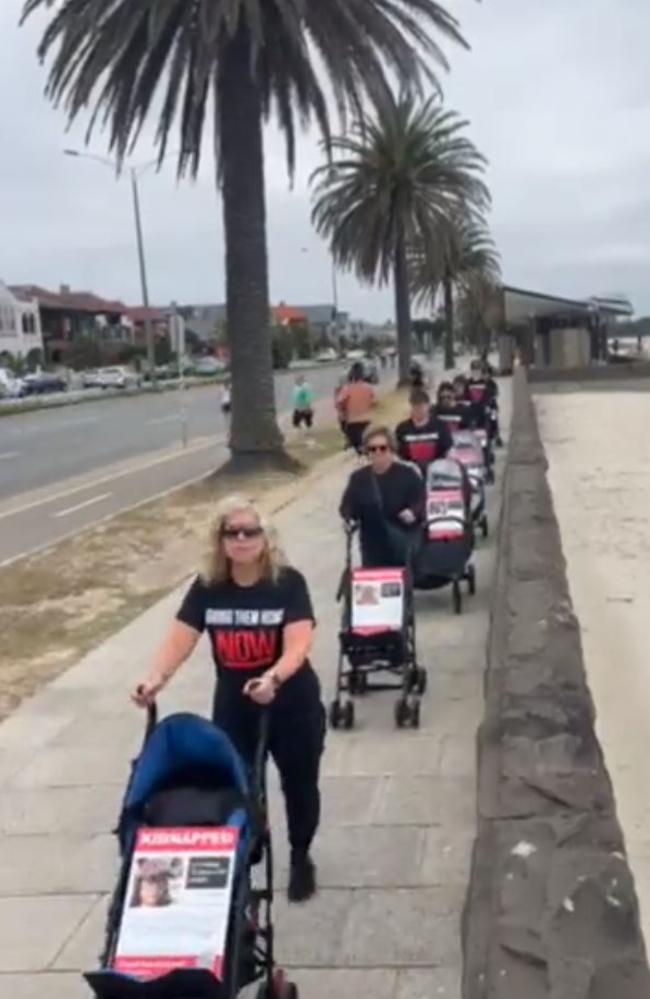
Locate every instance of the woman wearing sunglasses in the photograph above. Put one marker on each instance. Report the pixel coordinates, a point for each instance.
(387, 499)
(259, 618)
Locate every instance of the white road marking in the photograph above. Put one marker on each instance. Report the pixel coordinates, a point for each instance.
(81, 506)
(173, 417)
(47, 546)
(181, 453)
(39, 427)
(9, 454)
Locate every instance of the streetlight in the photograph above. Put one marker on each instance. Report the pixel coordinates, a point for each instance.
(334, 318)
(135, 172)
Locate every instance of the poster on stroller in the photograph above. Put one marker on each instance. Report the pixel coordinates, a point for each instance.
(377, 600)
(177, 903)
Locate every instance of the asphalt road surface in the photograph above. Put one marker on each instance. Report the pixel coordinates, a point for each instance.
(64, 469)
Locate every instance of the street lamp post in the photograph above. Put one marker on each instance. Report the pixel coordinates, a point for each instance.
(148, 326)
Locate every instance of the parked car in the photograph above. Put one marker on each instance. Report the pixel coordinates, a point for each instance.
(205, 366)
(10, 386)
(329, 354)
(43, 381)
(106, 378)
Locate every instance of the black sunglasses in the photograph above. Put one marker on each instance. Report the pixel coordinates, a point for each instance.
(235, 533)
(377, 448)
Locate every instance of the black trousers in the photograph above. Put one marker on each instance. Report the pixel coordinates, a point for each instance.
(296, 743)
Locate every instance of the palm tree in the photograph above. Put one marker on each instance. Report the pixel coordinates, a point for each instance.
(400, 174)
(462, 253)
(248, 58)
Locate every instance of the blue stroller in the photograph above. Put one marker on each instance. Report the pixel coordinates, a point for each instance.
(190, 777)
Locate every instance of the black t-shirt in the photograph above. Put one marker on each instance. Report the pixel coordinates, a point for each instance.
(246, 629)
(423, 444)
(454, 417)
(399, 488)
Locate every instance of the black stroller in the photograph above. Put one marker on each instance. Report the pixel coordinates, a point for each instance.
(190, 787)
(445, 555)
(377, 636)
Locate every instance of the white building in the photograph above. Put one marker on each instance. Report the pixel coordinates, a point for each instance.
(20, 324)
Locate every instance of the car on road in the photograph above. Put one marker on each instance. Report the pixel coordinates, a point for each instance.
(329, 354)
(107, 378)
(205, 366)
(42, 382)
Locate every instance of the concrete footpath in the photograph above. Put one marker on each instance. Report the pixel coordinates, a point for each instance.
(398, 824)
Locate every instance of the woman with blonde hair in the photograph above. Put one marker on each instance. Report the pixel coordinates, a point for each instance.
(258, 614)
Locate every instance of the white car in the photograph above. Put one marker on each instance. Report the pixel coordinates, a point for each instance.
(327, 355)
(207, 366)
(10, 386)
(106, 378)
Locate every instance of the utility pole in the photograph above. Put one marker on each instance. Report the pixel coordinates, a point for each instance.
(177, 330)
(148, 327)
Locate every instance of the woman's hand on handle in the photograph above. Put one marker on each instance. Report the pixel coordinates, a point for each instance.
(262, 689)
(145, 693)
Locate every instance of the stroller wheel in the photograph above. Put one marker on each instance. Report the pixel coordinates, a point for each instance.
(484, 526)
(402, 712)
(335, 714)
(457, 597)
(348, 715)
(414, 713)
(471, 580)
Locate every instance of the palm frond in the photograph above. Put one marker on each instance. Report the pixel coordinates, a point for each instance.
(114, 57)
(404, 170)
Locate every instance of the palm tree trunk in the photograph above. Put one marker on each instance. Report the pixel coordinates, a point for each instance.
(448, 289)
(255, 435)
(402, 311)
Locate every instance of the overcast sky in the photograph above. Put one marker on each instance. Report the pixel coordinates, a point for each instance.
(558, 96)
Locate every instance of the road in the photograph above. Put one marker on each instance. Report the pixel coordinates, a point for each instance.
(64, 469)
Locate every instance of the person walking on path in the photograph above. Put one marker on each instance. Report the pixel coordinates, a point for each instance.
(449, 411)
(303, 404)
(258, 614)
(387, 499)
(423, 437)
(354, 403)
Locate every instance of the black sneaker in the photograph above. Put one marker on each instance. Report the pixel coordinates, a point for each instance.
(302, 878)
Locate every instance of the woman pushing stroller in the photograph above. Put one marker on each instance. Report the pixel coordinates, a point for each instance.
(387, 499)
(258, 614)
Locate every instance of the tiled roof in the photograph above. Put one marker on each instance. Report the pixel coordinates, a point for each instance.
(75, 301)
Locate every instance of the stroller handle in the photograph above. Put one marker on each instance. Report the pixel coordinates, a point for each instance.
(152, 716)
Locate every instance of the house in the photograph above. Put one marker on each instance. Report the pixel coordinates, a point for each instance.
(137, 318)
(20, 324)
(322, 319)
(288, 315)
(66, 316)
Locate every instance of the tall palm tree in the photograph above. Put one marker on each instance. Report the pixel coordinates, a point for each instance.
(461, 253)
(247, 58)
(403, 170)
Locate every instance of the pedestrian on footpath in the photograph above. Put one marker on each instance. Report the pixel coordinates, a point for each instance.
(423, 437)
(303, 404)
(258, 614)
(386, 499)
(226, 400)
(355, 402)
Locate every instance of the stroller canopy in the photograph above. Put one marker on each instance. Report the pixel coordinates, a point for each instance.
(180, 743)
(445, 473)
